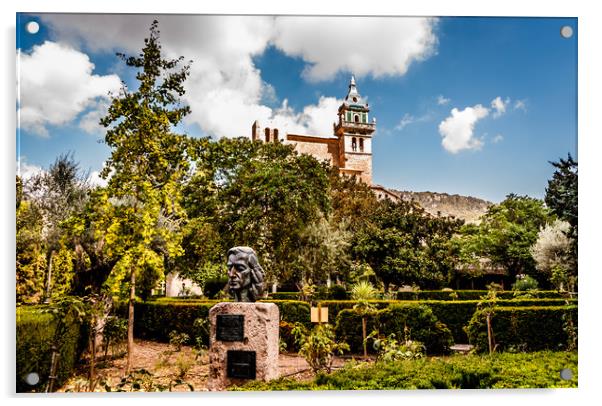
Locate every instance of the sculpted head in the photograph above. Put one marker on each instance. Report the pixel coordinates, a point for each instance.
(245, 275)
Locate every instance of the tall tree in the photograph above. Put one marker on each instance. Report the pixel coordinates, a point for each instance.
(562, 197)
(147, 164)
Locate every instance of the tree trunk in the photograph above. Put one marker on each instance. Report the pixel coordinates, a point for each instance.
(49, 279)
(92, 374)
(364, 322)
(128, 366)
(489, 333)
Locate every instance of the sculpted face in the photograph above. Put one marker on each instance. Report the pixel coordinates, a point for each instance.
(239, 272)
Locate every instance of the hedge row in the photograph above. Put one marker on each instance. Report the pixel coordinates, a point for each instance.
(496, 371)
(523, 328)
(157, 323)
(406, 320)
(468, 295)
(35, 336)
(155, 320)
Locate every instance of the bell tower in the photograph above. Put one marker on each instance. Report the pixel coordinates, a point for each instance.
(354, 132)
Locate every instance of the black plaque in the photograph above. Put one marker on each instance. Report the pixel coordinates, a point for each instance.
(241, 364)
(230, 327)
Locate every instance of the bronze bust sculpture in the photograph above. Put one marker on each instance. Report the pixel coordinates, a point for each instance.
(245, 275)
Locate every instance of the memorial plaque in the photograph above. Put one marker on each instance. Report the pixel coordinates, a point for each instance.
(241, 364)
(230, 327)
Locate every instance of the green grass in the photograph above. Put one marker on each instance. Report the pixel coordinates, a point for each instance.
(522, 370)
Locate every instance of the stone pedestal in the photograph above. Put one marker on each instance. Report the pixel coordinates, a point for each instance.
(244, 342)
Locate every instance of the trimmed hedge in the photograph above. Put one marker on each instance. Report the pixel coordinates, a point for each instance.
(155, 320)
(335, 306)
(496, 371)
(457, 314)
(35, 336)
(419, 318)
(468, 295)
(522, 328)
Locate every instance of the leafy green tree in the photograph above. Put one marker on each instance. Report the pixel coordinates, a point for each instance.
(58, 193)
(147, 164)
(30, 253)
(562, 198)
(405, 245)
(553, 255)
(506, 234)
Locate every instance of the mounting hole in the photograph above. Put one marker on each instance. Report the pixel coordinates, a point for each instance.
(32, 378)
(32, 27)
(566, 374)
(566, 31)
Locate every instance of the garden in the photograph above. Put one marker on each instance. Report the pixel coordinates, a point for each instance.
(92, 261)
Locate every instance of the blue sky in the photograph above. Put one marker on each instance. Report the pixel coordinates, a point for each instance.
(431, 84)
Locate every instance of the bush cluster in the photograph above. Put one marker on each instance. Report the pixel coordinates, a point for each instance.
(35, 337)
(468, 295)
(522, 328)
(416, 321)
(497, 371)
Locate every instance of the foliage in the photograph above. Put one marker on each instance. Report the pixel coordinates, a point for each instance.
(214, 286)
(496, 371)
(337, 292)
(177, 340)
(390, 349)
(30, 253)
(36, 332)
(525, 328)
(114, 334)
(554, 257)
(363, 290)
(416, 322)
(525, 283)
(142, 380)
(318, 346)
(505, 235)
(562, 197)
(404, 245)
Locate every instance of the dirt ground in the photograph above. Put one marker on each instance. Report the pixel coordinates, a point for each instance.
(167, 365)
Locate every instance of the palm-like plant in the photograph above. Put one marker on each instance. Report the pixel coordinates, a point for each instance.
(363, 292)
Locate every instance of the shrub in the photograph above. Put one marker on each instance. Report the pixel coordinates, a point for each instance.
(335, 306)
(293, 311)
(318, 346)
(525, 283)
(522, 328)
(155, 320)
(466, 295)
(35, 335)
(114, 334)
(177, 340)
(418, 323)
(284, 295)
(348, 328)
(496, 371)
(337, 292)
(214, 286)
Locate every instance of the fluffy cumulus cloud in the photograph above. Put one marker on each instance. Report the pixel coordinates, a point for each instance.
(56, 83)
(26, 170)
(374, 46)
(225, 90)
(499, 106)
(457, 130)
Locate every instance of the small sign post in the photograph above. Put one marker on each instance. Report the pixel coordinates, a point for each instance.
(319, 314)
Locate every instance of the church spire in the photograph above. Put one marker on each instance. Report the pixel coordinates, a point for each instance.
(353, 96)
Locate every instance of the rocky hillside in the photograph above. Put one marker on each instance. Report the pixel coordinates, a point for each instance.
(467, 208)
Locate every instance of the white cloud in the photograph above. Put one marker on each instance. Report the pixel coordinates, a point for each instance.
(56, 84)
(520, 105)
(225, 90)
(497, 138)
(442, 101)
(26, 170)
(95, 180)
(374, 46)
(457, 130)
(406, 120)
(499, 106)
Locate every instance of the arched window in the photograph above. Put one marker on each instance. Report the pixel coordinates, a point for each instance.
(356, 118)
(276, 139)
(361, 145)
(267, 135)
(353, 144)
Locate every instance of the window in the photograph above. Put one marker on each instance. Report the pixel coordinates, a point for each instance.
(361, 145)
(267, 135)
(353, 144)
(276, 139)
(356, 118)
